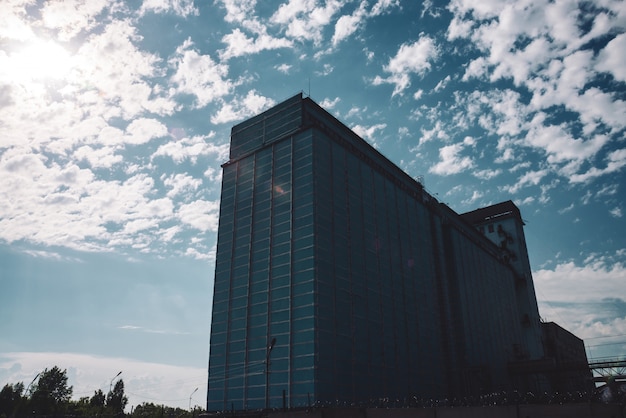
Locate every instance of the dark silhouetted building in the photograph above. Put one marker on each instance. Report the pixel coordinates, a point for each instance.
(569, 370)
(340, 279)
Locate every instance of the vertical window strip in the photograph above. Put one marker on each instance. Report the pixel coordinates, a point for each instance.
(248, 296)
(230, 289)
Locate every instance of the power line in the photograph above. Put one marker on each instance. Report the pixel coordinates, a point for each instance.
(605, 344)
(605, 336)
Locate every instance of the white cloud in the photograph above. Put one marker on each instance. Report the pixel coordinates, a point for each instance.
(526, 201)
(475, 69)
(616, 160)
(61, 204)
(182, 8)
(329, 104)
(238, 10)
(413, 58)
(566, 209)
(355, 112)
(283, 68)
(102, 86)
(200, 255)
(558, 144)
(442, 84)
(608, 190)
(451, 162)
(574, 294)
(198, 75)
(529, 178)
(238, 44)
(487, 174)
(213, 174)
(562, 84)
(159, 383)
(70, 17)
(458, 28)
(543, 47)
(52, 255)
(305, 19)
(500, 112)
(520, 166)
(76, 108)
(612, 58)
(13, 23)
(616, 212)
(250, 105)
(142, 130)
(348, 24)
(476, 195)
(102, 157)
(189, 149)
(383, 6)
(138, 225)
(200, 214)
(181, 183)
(503, 114)
(369, 132)
(437, 132)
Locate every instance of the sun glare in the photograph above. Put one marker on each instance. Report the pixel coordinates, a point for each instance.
(39, 60)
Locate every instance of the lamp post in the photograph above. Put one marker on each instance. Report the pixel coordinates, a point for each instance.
(194, 391)
(31, 383)
(267, 373)
(111, 384)
(21, 400)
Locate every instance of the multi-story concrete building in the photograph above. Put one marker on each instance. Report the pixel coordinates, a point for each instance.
(338, 278)
(503, 225)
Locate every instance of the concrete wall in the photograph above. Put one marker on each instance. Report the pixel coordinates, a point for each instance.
(582, 410)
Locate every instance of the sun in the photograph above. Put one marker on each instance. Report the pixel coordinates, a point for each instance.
(38, 61)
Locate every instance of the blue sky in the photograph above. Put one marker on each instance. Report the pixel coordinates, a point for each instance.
(115, 117)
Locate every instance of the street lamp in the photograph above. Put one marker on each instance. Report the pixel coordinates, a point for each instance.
(267, 373)
(31, 383)
(194, 391)
(111, 384)
(23, 399)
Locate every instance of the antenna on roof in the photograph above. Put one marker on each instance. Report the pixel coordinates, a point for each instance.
(309, 93)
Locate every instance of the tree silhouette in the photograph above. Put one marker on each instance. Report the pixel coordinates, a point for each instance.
(10, 398)
(51, 391)
(116, 400)
(98, 398)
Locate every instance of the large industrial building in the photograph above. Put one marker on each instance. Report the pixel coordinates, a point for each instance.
(340, 279)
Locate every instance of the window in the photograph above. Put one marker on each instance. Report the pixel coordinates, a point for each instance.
(258, 323)
(280, 293)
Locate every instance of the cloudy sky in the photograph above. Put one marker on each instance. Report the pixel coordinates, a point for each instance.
(115, 117)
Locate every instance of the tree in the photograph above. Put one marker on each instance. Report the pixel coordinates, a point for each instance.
(150, 410)
(116, 400)
(81, 408)
(98, 398)
(51, 391)
(10, 398)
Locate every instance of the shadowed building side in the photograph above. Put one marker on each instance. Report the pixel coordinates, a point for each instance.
(369, 286)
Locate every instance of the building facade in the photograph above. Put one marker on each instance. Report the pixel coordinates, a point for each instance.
(339, 279)
(502, 223)
(568, 371)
